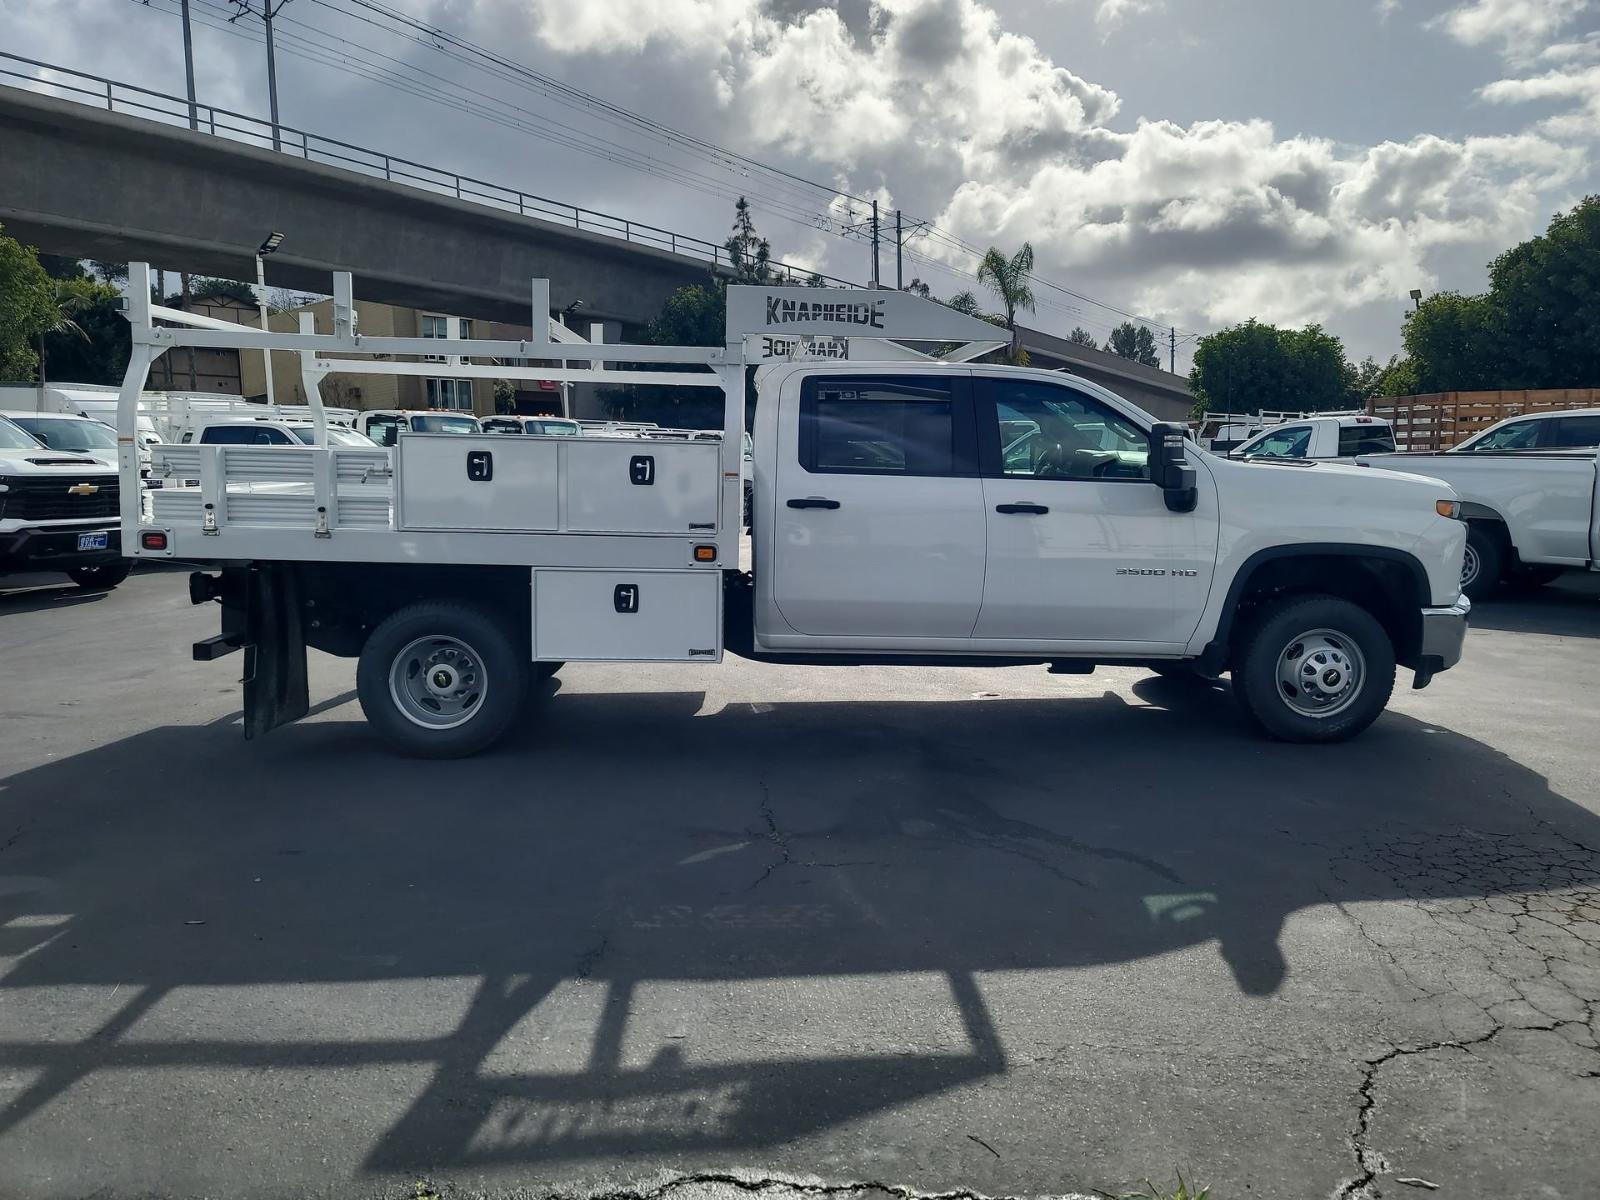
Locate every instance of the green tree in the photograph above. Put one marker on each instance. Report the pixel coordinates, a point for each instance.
(1136, 342)
(89, 341)
(1538, 325)
(748, 252)
(1254, 366)
(1546, 299)
(1082, 337)
(1456, 343)
(692, 316)
(1008, 278)
(27, 308)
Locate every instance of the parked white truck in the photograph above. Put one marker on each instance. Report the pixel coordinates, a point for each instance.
(58, 512)
(1531, 515)
(1345, 435)
(910, 511)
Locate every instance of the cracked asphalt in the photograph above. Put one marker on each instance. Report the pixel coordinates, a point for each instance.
(709, 931)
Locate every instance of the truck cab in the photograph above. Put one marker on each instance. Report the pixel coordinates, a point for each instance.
(384, 425)
(1342, 436)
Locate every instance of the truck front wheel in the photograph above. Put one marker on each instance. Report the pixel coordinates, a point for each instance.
(441, 680)
(1314, 669)
(1482, 562)
(100, 579)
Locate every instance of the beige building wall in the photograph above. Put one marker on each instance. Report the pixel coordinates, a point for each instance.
(352, 389)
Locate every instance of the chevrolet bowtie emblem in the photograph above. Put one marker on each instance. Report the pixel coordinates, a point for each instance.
(83, 489)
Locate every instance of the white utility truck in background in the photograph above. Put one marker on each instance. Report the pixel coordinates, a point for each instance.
(1343, 436)
(1532, 515)
(907, 510)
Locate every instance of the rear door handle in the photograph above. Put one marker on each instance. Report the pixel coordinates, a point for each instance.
(813, 502)
(1026, 510)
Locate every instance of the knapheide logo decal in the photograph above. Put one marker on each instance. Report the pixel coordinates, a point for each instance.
(784, 311)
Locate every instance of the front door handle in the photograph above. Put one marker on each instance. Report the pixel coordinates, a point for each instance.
(813, 502)
(1026, 510)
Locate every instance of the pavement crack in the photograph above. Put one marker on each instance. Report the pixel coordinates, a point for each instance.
(759, 1184)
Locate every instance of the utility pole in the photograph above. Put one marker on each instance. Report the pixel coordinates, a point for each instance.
(269, 10)
(1172, 349)
(899, 274)
(188, 67)
(874, 243)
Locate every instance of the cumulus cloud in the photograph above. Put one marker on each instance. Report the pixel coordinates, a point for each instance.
(1210, 222)
(1522, 28)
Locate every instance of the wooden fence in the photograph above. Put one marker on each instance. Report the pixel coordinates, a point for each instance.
(1439, 420)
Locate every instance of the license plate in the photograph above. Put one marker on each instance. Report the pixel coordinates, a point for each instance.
(92, 541)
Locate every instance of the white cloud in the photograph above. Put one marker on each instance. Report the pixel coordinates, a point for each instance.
(1109, 13)
(1520, 28)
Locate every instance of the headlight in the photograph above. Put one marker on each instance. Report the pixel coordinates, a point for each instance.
(1448, 508)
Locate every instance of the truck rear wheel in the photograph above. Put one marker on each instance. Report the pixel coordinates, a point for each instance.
(1314, 669)
(441, 680)
(100, 579)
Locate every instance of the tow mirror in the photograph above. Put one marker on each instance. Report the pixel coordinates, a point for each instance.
(1169, 467)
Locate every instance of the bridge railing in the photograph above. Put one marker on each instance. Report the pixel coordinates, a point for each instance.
(133, 100)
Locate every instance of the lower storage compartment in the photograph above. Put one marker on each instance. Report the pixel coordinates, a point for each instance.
(637, 616)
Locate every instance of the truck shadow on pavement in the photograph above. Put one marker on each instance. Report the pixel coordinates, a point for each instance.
(277, 906)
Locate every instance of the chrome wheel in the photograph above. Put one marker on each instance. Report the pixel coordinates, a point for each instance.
(438, 682)
(1320, 673)
(1471, 564)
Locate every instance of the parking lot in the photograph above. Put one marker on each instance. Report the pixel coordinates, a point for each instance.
(988, 930)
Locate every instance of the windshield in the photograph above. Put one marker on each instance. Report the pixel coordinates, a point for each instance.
(1518, 435)
(436, 424)
(1291, 442)
(14, 437)
(60, 433)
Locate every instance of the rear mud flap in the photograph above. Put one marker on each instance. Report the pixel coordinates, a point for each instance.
(275, 691)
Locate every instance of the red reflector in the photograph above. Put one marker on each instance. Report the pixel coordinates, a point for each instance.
(153, 540)
(549, 385)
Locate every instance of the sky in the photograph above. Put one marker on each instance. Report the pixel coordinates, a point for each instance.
(1296, 161)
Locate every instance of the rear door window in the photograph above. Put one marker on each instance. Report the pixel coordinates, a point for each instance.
(1365, 439)
(1574, 433)
(886, 425)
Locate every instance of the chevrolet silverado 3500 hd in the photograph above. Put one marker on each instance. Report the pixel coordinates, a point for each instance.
(906, 509)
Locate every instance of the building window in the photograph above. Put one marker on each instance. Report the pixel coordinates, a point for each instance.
(450, 393)
(435, 327)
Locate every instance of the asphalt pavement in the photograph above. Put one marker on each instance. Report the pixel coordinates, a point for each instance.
(706, 929)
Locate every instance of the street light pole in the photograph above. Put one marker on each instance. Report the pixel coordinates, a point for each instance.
(271, 243)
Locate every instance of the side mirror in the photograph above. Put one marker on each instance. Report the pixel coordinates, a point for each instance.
(1169, 468)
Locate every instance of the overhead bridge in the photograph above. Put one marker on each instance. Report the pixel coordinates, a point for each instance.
(99, 169)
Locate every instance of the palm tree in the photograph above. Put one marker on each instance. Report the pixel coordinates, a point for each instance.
(68, 303)
(1008, 279)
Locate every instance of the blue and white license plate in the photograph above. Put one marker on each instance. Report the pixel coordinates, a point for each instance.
(92, 541)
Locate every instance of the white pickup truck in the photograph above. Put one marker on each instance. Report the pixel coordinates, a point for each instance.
(1342, 436)
(911, 511)
(1531, 515)
(58, 512)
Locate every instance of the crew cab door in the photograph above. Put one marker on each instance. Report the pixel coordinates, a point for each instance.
(878, 524)
(1082, 547)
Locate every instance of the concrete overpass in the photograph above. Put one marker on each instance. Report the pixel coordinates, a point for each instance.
(95, 184)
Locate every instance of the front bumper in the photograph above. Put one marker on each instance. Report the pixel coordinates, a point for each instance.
(1443, 632)
(43, 548)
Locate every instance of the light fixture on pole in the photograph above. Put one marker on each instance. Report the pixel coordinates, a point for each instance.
(1416, 297)
(566, 387)
(269, 245)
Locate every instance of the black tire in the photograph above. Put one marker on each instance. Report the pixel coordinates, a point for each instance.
(100, 579)
(1280, 637)
(1531, 577)
(1483, 563)
(474, 651)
